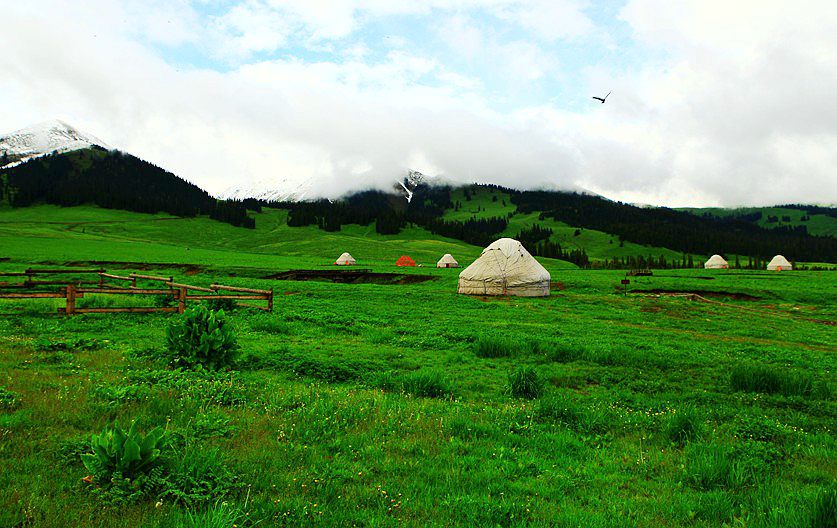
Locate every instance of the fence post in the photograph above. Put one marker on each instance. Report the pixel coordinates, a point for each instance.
(71, 300)
(181, 304)
(270, 301)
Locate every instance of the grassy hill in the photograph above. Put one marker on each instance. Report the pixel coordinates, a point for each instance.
(393, 405)
(816, 224)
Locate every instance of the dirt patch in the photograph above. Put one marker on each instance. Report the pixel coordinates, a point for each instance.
(188, 269)
(357, 276)
(702, 293)
(557, 285)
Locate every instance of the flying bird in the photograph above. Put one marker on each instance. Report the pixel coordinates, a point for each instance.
(600, 99)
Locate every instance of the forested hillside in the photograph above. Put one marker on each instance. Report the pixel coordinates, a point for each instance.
(444, 211)
(113, 180)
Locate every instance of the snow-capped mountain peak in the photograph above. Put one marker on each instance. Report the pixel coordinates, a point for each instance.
(44, 138)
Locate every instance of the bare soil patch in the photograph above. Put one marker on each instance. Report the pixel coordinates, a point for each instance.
(356, 276)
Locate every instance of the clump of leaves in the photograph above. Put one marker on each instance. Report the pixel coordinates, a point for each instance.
(227, 305)
(9, 401)
(201, 337)
(525, 382)
(128, 454)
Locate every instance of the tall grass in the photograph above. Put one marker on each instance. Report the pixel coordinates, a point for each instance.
(771, 380)
(525, 382)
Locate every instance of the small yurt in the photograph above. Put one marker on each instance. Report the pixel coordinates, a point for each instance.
(505, 268)
(716, 262)
(345, 260)
(405, 261)
(779, 263)
(447, 261)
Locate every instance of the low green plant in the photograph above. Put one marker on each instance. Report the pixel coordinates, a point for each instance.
(128, 454)
(197, 476)
(525, 382)
(427, 383)
(762, 378)
(201, 337)
(220, 515)
(494, 347)
(227, 305)
(824, 512)
(9, 401)
(684, 425)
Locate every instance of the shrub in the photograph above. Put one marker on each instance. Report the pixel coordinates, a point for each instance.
(227, 305)
(128, 455)
(824, 514)
(525, 382)
(761, 378)
(684, 425)
(201, 337)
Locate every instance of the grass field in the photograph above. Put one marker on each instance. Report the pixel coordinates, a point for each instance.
(402, 405)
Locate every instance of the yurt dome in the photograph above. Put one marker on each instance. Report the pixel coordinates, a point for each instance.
(447, 261)
(779, 263)
(405, 261)
(505, 268)
(716, 262)
(345, 260)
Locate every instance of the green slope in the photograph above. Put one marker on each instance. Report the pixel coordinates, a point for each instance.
(487, 203)
(817, 224)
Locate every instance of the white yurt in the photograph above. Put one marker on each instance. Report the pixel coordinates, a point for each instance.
(779, 263)
(345, 260)
(505, 268)
(447, 261)
(716, 262)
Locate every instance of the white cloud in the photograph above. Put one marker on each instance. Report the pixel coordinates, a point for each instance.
(736, 110)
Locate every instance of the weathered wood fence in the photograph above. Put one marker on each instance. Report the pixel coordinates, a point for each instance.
(80, 282)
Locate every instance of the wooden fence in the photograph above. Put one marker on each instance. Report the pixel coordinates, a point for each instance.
(80, 282)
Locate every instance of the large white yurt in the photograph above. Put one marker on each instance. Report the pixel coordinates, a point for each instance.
(505, 268)
(779, 263)
(716, 262)
(345, 260)
(447, 261)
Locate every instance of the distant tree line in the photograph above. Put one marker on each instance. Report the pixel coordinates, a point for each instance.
(680, 231)
(112, 180)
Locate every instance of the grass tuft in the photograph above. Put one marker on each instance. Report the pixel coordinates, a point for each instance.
(525, 382)
(770, 380)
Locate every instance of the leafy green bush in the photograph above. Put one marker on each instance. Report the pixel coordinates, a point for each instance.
(201, 337)
(128, 455)
(525, 382)
(227, 305)
(684, 425)
(762, 378)
(8, 400)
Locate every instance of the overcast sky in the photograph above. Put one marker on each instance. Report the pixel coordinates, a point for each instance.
(714, 102)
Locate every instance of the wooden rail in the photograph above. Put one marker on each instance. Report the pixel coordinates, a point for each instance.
(73, 290)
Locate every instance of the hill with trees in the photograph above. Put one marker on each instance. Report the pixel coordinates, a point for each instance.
(112, 180)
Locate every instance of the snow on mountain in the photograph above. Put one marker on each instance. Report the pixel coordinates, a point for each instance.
(270, 191)
(44, 138)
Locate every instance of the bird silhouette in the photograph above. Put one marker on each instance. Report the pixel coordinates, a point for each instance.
(601, 99)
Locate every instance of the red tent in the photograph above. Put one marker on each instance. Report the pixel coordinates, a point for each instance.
(405, 261)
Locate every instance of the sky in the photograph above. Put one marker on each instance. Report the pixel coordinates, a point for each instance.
(713, 103)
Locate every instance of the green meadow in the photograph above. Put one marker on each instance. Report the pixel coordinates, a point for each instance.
(410, 405)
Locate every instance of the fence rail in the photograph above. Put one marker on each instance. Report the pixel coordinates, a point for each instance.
(75, 289)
